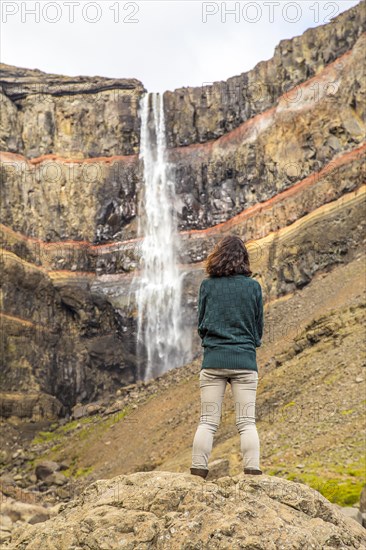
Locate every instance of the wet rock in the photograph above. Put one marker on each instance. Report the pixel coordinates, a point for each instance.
(28, 405)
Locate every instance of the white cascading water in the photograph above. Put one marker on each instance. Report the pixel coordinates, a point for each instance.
(158, 293)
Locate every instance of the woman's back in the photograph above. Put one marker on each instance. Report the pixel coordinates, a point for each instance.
(230, 321)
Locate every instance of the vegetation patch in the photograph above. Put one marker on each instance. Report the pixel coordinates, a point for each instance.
(339, 484)
(78, 430)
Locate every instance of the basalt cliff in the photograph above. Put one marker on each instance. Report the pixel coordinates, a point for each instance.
(274, 155)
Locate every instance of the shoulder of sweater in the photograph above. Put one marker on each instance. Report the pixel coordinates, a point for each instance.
(203, 282)
(214, 280)
(253, 283)
(257, 286)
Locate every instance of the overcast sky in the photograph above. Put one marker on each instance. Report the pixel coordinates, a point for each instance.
(165, 44)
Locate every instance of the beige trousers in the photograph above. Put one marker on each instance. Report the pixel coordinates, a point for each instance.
(243, 388)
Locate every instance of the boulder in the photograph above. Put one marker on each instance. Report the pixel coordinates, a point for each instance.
(166, 510)
(46, 468)
(56, 478)
(80, 410)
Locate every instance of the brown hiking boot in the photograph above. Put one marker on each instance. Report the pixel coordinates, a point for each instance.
(199, 472)
(252, 471)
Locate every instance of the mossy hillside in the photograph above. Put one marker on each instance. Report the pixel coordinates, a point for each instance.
(49, 444)
(340, 484)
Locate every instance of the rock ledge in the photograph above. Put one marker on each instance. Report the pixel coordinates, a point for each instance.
(161, 509)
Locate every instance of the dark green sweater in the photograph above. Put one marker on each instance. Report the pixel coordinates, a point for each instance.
(230, 322)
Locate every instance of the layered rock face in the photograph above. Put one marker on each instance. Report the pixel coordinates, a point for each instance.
(83, 117)
(276, 159)
(208, 112)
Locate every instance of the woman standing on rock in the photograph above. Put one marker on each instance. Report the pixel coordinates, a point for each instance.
(230, 325)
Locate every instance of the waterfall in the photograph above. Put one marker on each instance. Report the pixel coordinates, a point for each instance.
(158, 293)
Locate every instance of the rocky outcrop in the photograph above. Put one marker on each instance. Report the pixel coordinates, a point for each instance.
(24, 404)
(55, 199)
(207, 112)
(94, 116)
(274, 150)
(169, 510)
(62, 340)
(282, 167)
(80, 116)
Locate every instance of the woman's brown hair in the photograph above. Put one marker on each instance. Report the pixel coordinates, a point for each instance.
(229, 257)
